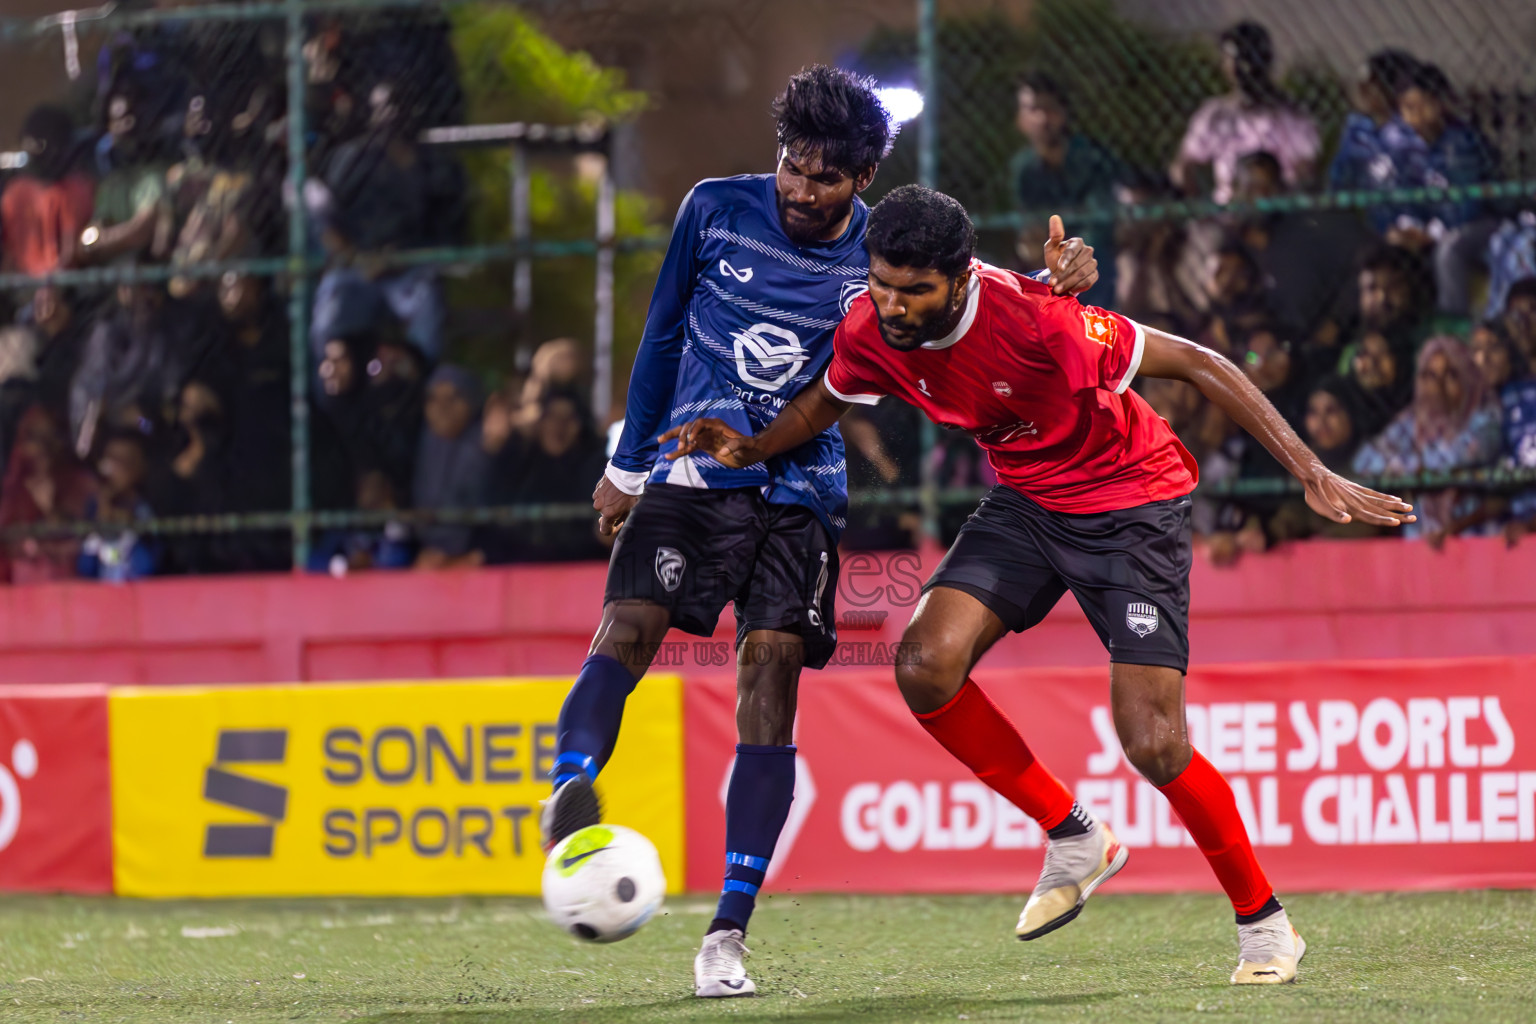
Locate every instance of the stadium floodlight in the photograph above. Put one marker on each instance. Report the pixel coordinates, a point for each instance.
(901, 102)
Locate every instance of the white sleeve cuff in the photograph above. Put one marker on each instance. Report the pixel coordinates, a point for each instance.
(1140, 347)
(630, 482)
(855, 399)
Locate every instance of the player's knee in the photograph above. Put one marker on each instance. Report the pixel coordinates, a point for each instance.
(1160, 754)
(930, 677)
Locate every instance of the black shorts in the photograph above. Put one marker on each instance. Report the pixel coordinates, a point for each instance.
(1128, 569)
(692, 550)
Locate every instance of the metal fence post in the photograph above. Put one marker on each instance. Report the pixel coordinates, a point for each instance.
(602, 327)
(928, 174)
(299, 288)
(522, 234)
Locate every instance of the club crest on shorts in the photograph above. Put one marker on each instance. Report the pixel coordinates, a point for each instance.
(670, 564)
(1141, 617)
(1003, 388)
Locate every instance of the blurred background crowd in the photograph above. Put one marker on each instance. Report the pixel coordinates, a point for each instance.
(1398, 336)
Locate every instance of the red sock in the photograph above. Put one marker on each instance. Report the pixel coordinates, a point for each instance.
(977, 732)
(1204, 802)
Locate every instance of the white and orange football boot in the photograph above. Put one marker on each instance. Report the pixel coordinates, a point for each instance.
(1074, 867)
(1268, 952)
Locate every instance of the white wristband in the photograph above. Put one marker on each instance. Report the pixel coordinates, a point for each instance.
(630, 482)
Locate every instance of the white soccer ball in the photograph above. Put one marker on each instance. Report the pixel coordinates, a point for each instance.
(603, 882)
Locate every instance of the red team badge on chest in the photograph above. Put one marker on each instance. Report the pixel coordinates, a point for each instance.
(1100, 328)
(1003, 388)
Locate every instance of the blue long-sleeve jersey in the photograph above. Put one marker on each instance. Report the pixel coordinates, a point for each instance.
(741, 319)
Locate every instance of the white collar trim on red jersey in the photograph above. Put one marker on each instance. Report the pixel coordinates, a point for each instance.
(972, 303)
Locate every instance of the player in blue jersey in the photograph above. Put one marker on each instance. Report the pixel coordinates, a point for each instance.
(760, 270)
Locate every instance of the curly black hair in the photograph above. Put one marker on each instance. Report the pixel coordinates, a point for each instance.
(836, 115)
(914, 226)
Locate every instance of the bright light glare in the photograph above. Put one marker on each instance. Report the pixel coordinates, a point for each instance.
(902, 103)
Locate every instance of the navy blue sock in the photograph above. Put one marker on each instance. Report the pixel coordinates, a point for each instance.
(756, 807)
(590, 717)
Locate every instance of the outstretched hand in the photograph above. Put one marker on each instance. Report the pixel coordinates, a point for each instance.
(1070, 261)
(713, 437)
(1342, 501)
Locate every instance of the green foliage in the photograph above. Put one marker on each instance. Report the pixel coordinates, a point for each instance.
(512, 71)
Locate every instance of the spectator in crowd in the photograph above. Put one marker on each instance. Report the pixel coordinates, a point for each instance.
(559, 465)
(390, 546)
(1379, 373)
(1511, 258)
(505, 418)
(200, 470)
(1457, 154)
(1265, 357)
(1393, 289)
(1520, 317)
(1391, 321)
(1518, 398)
(1062, 170)
(1508, 375)
(1498, 359)
(1160, 266)
(1305, 257)
(397, 385)
(1237, 301)
(59, 330)
(1377, 149)
(114, 553)
(1256, 115)
(452, 469)
(135, 360)
(256, 359)
(1453, 423)
(382, 192)
(18, 385)
(1211, 439)
(211, 192)
(1334, 422)
(44, 484)
(958, 463)
(1332, 426)
(883, 452)
(377, 419)
(47, 205)
(130, 205)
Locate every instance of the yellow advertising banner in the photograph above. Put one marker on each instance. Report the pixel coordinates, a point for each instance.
(408, 789)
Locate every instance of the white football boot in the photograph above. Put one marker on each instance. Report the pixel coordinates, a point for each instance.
(718, 972)
(1074, 867)
(1268, 952)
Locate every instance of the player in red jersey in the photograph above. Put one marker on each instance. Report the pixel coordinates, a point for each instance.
(1093, 498)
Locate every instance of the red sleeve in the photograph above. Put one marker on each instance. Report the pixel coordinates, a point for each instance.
(1095, 347)
(846, 377)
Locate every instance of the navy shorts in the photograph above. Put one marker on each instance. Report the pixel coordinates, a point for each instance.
(693, 550)
(1128, 569)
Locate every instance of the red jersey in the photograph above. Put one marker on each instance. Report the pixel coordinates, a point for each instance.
(1041, 382)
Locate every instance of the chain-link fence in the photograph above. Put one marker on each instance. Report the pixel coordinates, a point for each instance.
(1315, 190)
(246, 247)
(242, 241)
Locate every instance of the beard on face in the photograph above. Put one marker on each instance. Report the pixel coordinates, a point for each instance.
(931, 328)
(804, 224)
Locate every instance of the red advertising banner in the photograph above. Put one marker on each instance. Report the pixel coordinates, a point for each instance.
(1365, 775)
(55, 789)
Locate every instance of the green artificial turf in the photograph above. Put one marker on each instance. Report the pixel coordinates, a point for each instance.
(1388, 958)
